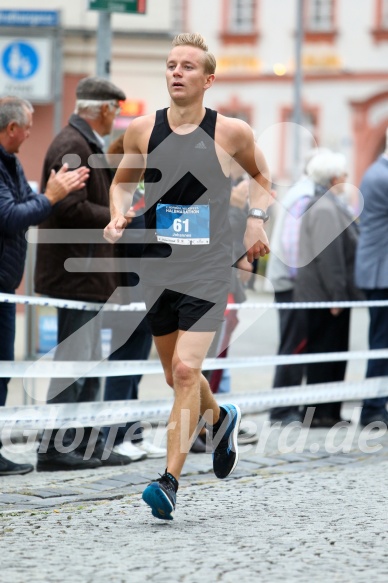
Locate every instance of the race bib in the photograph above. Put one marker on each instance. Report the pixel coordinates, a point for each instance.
(183, 224)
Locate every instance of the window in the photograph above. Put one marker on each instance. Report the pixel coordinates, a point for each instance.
(239, 22)
(319, 21)
(242, 16)
(320, 15)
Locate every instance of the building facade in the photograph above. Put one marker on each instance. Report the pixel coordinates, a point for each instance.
(345, 70)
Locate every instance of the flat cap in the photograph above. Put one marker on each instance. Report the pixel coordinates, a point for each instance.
(98, 89)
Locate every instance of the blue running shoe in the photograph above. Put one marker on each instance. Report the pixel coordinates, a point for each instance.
(161, 497)
(225, 447)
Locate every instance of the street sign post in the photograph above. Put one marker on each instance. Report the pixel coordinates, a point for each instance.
(127, 6)
(104, 32)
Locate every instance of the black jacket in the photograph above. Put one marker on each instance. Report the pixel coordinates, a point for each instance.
(83, 209)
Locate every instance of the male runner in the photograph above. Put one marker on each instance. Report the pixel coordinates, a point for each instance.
(186, 151)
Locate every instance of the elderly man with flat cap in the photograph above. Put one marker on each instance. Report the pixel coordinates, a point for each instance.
(97, 104)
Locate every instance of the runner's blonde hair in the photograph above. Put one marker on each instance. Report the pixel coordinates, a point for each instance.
(195, 39)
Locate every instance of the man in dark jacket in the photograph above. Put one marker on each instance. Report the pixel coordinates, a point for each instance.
(87, 208)
(371, 275)
(20, 208)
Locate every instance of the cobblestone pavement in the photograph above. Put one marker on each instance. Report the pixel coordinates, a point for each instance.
(310, 514)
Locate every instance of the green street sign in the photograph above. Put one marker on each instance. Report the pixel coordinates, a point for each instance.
(128, 6)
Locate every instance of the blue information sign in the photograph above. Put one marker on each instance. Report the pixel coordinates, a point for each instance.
(20, 60)
(29, 18)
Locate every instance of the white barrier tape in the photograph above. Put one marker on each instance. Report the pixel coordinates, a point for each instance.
(99, 414)
(76, 369)
(71, 304)
(140, 306)
(309, 305)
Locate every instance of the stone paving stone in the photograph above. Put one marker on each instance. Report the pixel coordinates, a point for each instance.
(266, 461)
(280, 470)
(137, 479)
(9, 509)
(40, 503)
(94, 486)
(189, 468)
(93, 496)
(322, 463)
(49, 503)
(292, 457)
(109, 483)
(287, 468)
(300, 466)
(255, 464)
(247, 467)
(201, 479)
(361, 455)
(66, 491)
(36, 504)
(126, 478)
(314, 456)
(151, 475)
(16, 499)
(196, 464)
(241, 473)
(45, 493)
(130, 489)
(340, 460)
(207, 470)
(103, 496)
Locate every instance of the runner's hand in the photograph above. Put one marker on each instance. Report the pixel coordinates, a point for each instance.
(115, 229)
(255, 239)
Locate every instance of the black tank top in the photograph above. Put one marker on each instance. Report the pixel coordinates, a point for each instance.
(187, 199)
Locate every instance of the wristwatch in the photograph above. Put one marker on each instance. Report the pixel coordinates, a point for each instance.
(258, 214)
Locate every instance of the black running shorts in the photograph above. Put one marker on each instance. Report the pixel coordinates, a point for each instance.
(195, 306)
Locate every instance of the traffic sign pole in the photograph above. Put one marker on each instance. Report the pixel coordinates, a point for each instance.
(104, 44)
(104, 31)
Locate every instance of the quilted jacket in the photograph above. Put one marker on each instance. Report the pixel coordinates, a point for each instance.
(20, 208)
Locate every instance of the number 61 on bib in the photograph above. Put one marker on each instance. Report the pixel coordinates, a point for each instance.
(183, 224)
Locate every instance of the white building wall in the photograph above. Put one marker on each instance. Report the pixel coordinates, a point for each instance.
(277, 27)
(338, 73)
(354, 42)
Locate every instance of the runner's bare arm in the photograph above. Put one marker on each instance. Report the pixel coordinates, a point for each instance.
(251, 158)
(126, 180)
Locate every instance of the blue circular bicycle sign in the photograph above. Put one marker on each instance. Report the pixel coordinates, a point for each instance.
(20, 60)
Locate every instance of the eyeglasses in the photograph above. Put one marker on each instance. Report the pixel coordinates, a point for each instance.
(116, 107)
